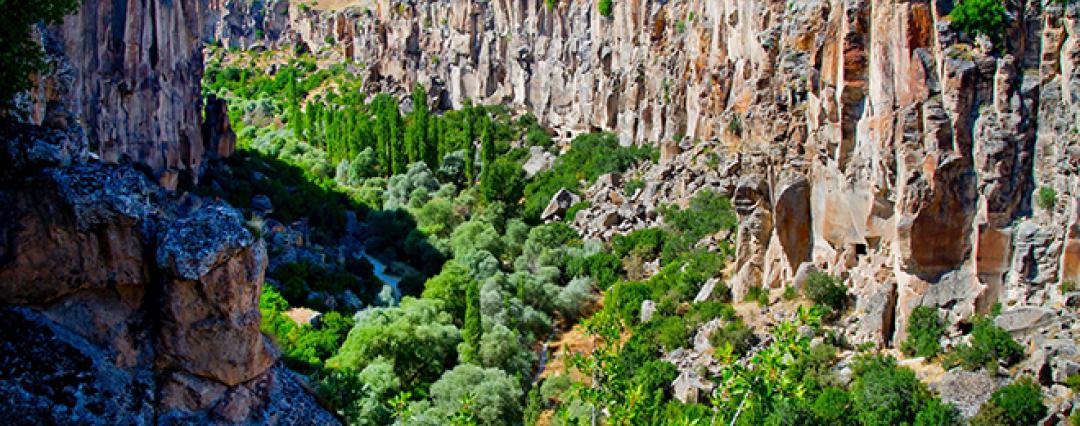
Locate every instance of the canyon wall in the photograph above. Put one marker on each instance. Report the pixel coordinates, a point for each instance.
(129, 73)
(124, 302)
(866, 138)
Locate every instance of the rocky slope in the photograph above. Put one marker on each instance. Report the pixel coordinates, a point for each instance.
(866, 138)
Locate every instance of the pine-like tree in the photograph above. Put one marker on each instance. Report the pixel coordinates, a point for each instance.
(472, 330)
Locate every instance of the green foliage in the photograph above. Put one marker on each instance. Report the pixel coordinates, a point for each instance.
(603, 267)
(486, 396)
(301, 280)
(605, 7)
(19, 52)
(833, 406)
(990, 347)
(572, 212)
(644, 244)
(1019, 403)
(472, 331)
(550, 4)
(1068, 286)
(924, 331)
(502, 180)
(632, 186)
(1047, 197)
(937, 413)
(790, 293)
(590, 156)
(394, 335)
(708, 213)
(757, 294)
(980, 17)
(826, 290)
(450, 287)
(735, 334)
(304, 348)
(884, 394)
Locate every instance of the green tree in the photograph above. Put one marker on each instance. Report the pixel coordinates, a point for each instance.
(471, 333)
(502, 180)
(487, 140)
(416, 133)
(605, 7)
(450, 286)
(980, 17)
(924, 331)
(20, 54)
(1019, 403)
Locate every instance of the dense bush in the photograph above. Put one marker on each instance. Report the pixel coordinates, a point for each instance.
(1019, 403)
(734, 333)
(980, 17)
(644, 244)
(708, 213)
(1047, 198)
(605, 8)
(884, 394)
(590, 156)
(826, 290)
(757, 294)
(990, 347)
(924, 331)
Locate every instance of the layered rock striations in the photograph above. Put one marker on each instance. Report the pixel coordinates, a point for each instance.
(129, 74)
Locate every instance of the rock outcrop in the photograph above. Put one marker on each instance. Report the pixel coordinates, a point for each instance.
(124, 305)
(128, 74)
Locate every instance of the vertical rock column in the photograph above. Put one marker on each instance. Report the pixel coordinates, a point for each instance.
(210, 346)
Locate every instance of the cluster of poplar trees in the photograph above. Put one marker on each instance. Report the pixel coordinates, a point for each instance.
(345, 126)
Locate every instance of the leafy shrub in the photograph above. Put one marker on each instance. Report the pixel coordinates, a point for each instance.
(757, 294)
(1046, 198)
(826, 290)
(737, 334)
(884, 394)
(644, 244)
(605, 8)
(590, 156)
(980, 17)
(632, 186)
(1068, 286)
(790, 293)
(937, 413)
(574, 209)
(602, 267)
(833, 406)
(990, 347)
(924, 330)
(1019, 403)
(708, 213)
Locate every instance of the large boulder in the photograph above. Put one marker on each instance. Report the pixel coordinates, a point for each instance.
(559, 203)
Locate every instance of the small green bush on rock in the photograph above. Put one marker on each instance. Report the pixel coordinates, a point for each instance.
(924, 330)
(825, 289)
(980, 17)
(1019, 403)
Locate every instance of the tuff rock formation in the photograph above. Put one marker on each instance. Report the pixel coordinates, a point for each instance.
(123, 305)
(867, 138)
(128, 73)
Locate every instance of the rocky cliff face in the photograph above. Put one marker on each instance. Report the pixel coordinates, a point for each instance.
(124, 305)
(129, 73)
(866, 137)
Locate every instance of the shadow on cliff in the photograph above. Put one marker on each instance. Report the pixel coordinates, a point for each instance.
(284, 192)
